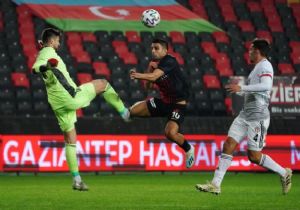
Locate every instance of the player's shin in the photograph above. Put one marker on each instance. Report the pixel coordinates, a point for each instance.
(223, 165)
(267, 162)
(71, 157)
(113, 98)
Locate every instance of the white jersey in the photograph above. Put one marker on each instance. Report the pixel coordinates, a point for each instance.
(257, 92)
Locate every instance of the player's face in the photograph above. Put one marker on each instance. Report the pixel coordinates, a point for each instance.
(253, 54)
(158, 51)
(55, 42)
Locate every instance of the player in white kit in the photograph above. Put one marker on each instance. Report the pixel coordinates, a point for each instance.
(252, 122)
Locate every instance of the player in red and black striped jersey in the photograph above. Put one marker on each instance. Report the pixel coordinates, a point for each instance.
(164, 71)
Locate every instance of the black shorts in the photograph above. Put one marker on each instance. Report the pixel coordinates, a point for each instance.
(174, 112)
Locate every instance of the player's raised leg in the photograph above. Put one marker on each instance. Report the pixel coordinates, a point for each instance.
(257, 131)
(140, 109)
(71, 156)
(267, 162)
(171, 132)
(109, 94)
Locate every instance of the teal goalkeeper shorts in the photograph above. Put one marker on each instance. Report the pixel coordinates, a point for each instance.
(66, 115)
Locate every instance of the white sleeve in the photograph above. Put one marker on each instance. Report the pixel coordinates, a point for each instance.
(264, 85)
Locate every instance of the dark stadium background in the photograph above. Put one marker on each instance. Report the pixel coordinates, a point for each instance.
(24, 108)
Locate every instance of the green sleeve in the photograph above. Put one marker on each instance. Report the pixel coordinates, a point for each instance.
(42, 58)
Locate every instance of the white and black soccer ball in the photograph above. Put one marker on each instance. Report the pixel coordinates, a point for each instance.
(150, 18)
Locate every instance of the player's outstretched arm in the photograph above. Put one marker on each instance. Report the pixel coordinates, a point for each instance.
(40, 66)
(152, 77)
(264, 85)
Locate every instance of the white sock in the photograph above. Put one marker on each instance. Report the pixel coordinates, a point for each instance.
(267, 162)
(223, 165)
(77, 178)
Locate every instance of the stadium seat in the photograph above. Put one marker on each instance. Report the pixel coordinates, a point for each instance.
(36, 81)
(23, 94)
(254, 6)
(83, 67)
(89, 37)
(228, 104)
(7, 94)
(178, 57)
(216, 95)
(220, 37)
(117, 35)
(83, 57)
(204, 108)
(1, 22)
(295, 46)
(211, 82)
(121, 49)
(5, 82)
(177, 37)
(20, 80)
(84, 78)
(120, 83)
(101, 68)
(286, 68)
(92, 109)
(219, 108)
(129, 58)
(229, 17)
(209, 47)
(39, 94)
(24, 108)
(295, 57)
(137, 95)
(133, 36)
(264, 34)
(79, 113)
(41, 108)
(198, 8)
(246, 26)
(73, 38)
(7, 108)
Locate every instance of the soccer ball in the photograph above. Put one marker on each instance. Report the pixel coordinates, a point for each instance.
(150, 18)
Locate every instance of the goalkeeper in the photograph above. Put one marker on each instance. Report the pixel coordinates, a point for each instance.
(65, 97)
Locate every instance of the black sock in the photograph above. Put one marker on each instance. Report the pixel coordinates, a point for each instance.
(185, 146)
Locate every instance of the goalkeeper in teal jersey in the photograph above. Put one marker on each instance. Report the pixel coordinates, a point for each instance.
(65, 97)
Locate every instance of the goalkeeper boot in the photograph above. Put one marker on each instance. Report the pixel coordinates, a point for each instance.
(126, 115)
(80, 186)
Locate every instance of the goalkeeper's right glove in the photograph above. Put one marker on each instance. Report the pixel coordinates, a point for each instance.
(52, 62)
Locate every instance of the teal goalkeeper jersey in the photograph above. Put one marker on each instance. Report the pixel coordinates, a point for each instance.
(60, 87)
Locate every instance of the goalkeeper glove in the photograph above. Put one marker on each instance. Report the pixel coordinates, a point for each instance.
(52, 62)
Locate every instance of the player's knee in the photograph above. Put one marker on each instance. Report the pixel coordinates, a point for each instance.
(170, 133)
(228, 147)
(253, 157)
(100, 85)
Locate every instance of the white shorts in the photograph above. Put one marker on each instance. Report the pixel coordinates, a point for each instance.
(254, 131)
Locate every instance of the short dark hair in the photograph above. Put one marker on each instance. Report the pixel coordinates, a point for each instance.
(48, 33)
(163, 42)
(262, 45)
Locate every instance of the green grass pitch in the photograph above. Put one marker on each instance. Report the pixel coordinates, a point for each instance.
(157, 191)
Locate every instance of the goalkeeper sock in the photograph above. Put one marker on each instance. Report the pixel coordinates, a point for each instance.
(223, 165)
(113, 99)
(71, 157)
